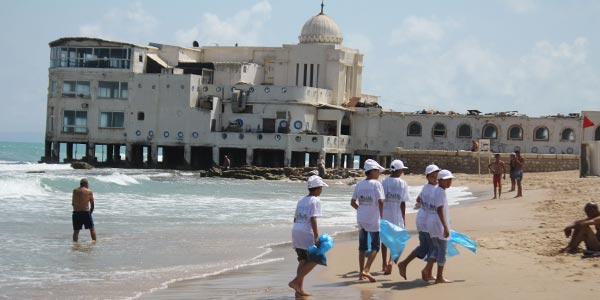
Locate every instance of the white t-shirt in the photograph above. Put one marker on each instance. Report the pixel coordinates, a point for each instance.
(367, 194)
(396, 192)
(302, 233)
(422, 214)
(434, 224)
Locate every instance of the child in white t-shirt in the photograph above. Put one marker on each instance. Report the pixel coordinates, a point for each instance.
(424, 247)
(367, 199)
(305, 232)
(394, 205)
(438, 225)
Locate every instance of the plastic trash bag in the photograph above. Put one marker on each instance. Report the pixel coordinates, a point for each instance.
(317, 254)
(393, 237)
(460, 239)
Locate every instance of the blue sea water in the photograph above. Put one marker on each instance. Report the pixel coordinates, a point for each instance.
(154, 226)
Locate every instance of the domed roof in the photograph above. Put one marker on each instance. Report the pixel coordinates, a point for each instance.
(320, 29)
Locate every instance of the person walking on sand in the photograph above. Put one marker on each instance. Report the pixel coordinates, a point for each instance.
(367, 199)
(305, 232)
(581, 231)
(498, 173)
(425, 245)
(83, 207)
(394, 206)
(519, 164)
(438, 225)
(511, 171)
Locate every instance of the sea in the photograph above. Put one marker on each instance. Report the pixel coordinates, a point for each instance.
(154, 227)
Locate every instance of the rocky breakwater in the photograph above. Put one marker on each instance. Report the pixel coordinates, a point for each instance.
(261, 173)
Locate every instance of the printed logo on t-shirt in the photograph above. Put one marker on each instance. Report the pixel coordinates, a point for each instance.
(365, 200)
(302, 217)
(393, 197)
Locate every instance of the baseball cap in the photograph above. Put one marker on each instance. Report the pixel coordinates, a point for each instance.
(315, 181)
(431, 168)
(397, 165)
(371, 164)
(445, 174)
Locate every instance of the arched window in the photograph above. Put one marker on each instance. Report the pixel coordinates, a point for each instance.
(414, 129)
(567, 135)
(439, 130)
(515, 132)
(490, 131)
(597, 137)
(464, 131)
(541, 134)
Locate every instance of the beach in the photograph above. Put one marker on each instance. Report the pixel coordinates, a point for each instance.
(518, 256)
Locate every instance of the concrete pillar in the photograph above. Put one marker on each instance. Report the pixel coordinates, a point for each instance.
(338, 160)
(350, 161)
(215, 156)
(153, 158)
(110, 153)
(287, 159)
(117, 154)
(129, 153)
(187, 154)
(249, 156)
(90, 152)
(69, 152)
(56, 151)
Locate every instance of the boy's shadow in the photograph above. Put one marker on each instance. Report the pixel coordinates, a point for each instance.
(416, 283)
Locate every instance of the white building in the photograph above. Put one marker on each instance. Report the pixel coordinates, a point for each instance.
(265, 106)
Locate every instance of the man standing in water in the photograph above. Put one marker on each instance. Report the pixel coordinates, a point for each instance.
(83, 206)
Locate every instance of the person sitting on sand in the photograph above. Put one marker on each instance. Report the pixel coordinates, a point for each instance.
(367, 199)
(394, 206)
(498, 171)
(305, 232)
(422, 250)
(581, 231)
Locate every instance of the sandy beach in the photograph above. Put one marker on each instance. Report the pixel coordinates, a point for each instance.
(518, 256)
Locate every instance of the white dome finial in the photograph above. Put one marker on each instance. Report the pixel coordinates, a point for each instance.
(321, 29)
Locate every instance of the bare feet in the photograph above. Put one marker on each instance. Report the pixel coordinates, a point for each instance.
(388, 270)
(402, 269)
(494, 198)
(443, 280)
(368, 276)
(299, 292)
(427, 276)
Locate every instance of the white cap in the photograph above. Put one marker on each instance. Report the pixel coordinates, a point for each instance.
(445, 174)
(397, 165)
(371, 164)
(431, 168)
(315, 181)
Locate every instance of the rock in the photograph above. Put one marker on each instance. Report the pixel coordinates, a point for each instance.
(81, 165)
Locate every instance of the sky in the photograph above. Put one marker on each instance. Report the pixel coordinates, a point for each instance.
(538, 57)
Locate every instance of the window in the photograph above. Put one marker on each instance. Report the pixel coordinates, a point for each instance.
(297, 73)
(112, 119)
(88, 57)
(53, 88)
(567, 135)
(140, 116)
(79, 89)
(414, 129)
(541, 134)
(515, 132)
(207, 76)
(490, 131)
(112, 90)
(464, 131)
(75, 121)
(597, 134)
(439, 130)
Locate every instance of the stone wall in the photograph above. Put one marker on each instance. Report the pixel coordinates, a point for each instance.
(467, 162)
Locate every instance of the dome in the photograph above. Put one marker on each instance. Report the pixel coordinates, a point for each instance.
(320, 29)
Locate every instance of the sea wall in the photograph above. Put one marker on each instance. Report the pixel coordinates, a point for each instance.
(471, 162)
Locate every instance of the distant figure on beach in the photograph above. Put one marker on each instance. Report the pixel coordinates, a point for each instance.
(367, 199)
(321, 166)
(438, 225)
(83, 206)
(511, 171)
(519, 164)
(425, 245)
(474, 146)
(498, 173)
(581, 231)
(394, 206)
(226, 163)
(305, 232)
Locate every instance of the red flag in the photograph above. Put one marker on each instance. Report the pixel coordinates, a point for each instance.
(587, 122)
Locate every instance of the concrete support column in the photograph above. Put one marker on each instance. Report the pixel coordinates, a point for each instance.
(69, 152)
(90, 152)
(129, 153)
(287, 159)
(56, 151)
(350, 161)
(215, 156)
(117, 154)
(338, 160)
(109, 153)
(187, 154)
(249, 156)
(47, 152)
(153, 158)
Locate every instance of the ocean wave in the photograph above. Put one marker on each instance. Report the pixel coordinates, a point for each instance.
(120, 179)
(10, 166)
(22, 188)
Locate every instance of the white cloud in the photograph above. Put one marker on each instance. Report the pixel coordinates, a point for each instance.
(521, 6)
(244, 27)
(420, 30)
(359, 41)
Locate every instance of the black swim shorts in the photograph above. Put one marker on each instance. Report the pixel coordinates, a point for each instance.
(82, 218)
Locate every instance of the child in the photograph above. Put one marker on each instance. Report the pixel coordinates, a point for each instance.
(305, 232)
(422, 250)
(438, 225)
(367, 199)
(394, 205)
(498, 171)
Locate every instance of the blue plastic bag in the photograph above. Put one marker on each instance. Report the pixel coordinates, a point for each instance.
(317, 254)
(393, 237)
(460, 239)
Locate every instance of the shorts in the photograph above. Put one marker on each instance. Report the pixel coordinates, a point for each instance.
(82, 218)
(519, 175)
(497, 180)
(438, 253)
(302, 254)
(424, 245)
(363, 240)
